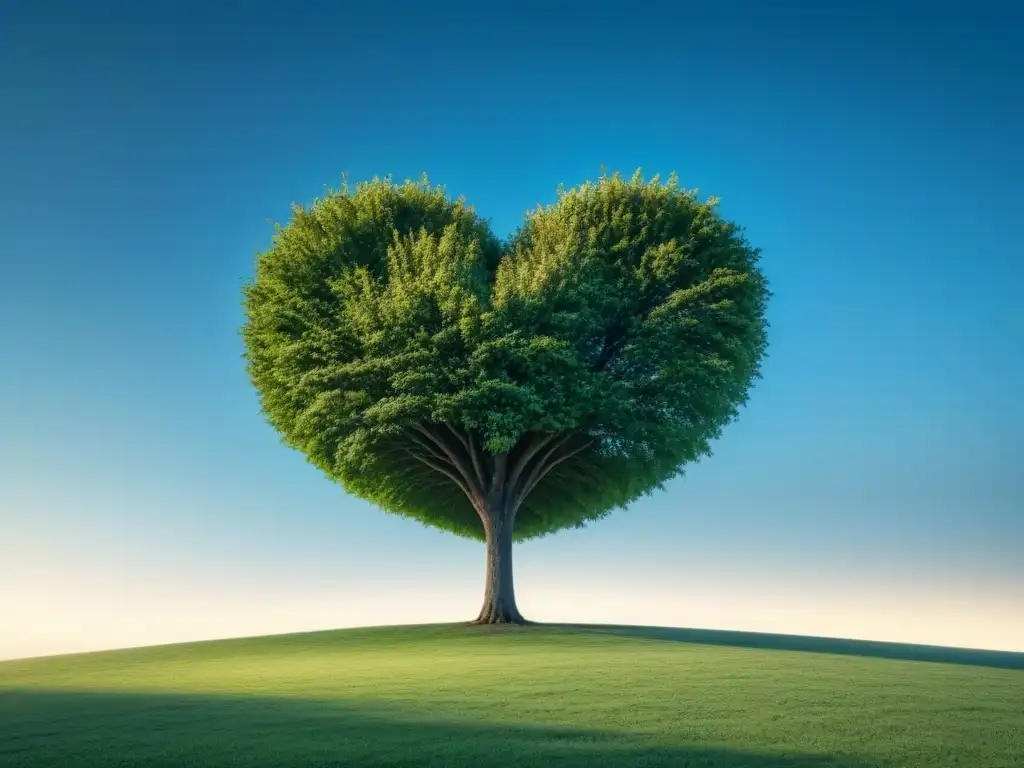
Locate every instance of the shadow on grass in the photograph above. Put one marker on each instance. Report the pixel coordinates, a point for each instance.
(899, 651)
(158, 730)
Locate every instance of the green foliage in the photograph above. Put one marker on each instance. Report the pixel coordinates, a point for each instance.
(628, 314)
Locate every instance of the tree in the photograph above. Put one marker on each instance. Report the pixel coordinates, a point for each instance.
(505, 390)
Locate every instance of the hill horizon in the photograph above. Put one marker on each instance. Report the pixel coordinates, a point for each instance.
(843, 646)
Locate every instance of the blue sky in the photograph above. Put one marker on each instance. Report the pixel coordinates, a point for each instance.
(873, 487)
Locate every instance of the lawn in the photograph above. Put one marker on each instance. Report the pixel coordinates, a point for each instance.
(516, 696)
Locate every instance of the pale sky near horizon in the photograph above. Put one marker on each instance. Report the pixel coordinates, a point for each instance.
(872, 488)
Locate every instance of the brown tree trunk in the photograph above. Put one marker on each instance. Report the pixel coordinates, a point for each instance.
(495, 484)
(499, 595)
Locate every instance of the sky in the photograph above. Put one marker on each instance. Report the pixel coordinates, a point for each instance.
(873, 487)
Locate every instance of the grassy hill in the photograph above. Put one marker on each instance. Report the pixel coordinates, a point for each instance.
(517, 696)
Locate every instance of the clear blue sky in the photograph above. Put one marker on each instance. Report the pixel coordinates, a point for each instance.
(873, 487)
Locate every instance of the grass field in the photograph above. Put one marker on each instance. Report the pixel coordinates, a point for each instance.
(517, 696)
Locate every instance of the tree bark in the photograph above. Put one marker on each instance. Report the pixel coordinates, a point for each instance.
(499, 593)
(495, 484)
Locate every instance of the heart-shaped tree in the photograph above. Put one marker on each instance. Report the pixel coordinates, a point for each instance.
(504, 391)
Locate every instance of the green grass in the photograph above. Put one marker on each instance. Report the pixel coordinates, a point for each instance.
(518, 696)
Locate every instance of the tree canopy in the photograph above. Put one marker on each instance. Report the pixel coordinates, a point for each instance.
(615, 333)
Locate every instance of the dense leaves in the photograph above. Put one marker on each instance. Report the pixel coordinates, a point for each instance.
(626, 319)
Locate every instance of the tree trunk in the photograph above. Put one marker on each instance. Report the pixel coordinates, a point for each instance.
(499, 596)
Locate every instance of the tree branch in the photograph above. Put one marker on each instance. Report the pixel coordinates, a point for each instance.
(474, 456)
(498, 479)
(459, 436)
(531, 450)
(453, 458)
(429, 448)
(612, 344)
(527, 488)
(517, 494)
(437, 466)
